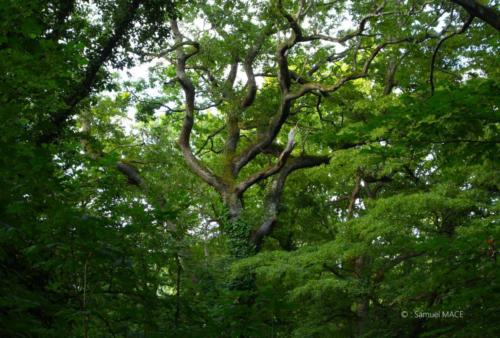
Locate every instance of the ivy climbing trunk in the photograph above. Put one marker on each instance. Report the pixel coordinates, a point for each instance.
(235, 228)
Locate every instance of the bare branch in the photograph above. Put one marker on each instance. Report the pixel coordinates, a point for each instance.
(211, 77)
(257, 147)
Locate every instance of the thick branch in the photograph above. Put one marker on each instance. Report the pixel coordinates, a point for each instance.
(251, 85)
(229, 83)
(488, 14)
(248, 99)
(130, 173)
(257, 147)
(284, 79)
(243, 186)
(187, 126)
(94, 153)
(273, 198)
(284, 109)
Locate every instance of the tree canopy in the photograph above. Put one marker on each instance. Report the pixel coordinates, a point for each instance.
(283, 169)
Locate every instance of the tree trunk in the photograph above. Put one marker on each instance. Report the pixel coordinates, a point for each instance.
(234, 205)
(235, 228)
(362, 306)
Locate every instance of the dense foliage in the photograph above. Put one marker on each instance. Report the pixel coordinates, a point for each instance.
(284, 169)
